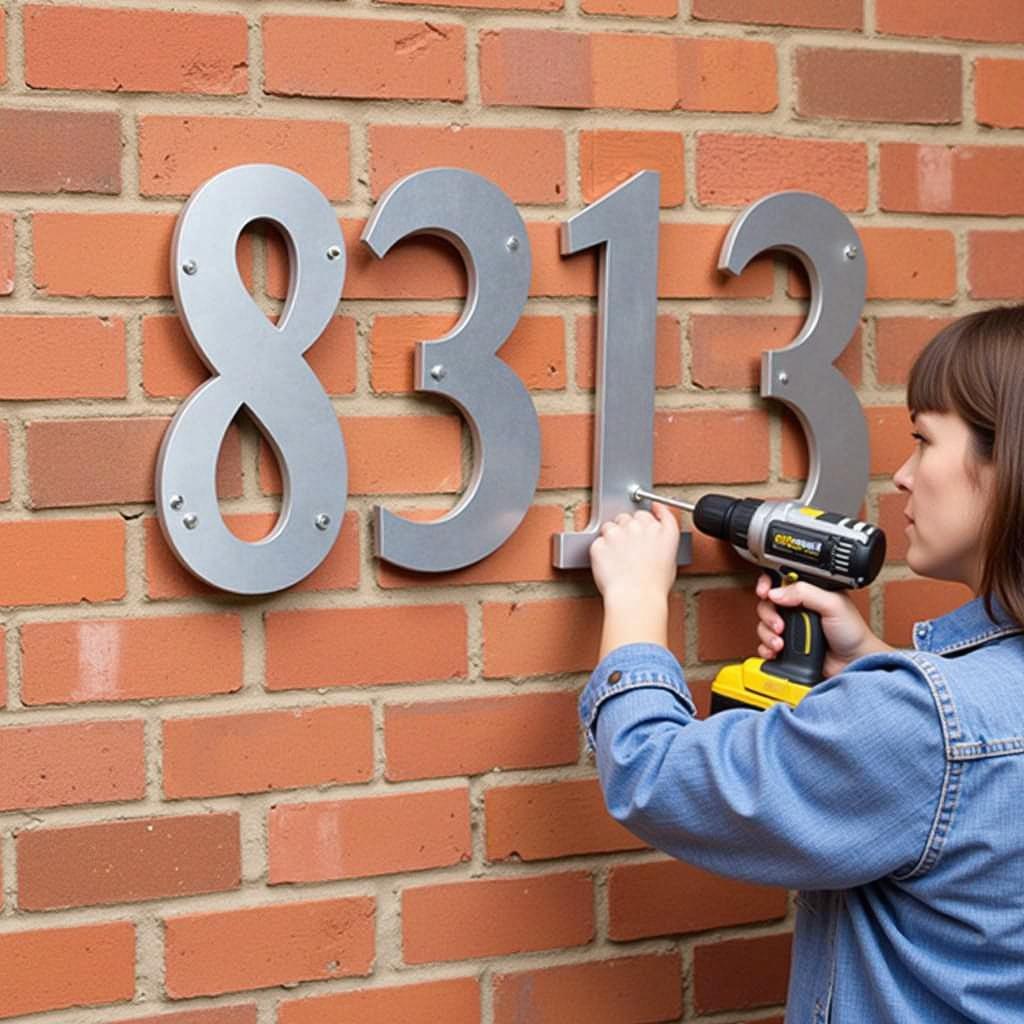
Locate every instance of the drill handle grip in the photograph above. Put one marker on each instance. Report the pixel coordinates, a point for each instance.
(802, 658)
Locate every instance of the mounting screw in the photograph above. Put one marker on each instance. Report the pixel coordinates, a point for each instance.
(439, 372)
(322, 521)
(190, 521)
(190, 268)
(851, 252)
(512, 243)
(176, 501)
(783, 377)
(333, 253)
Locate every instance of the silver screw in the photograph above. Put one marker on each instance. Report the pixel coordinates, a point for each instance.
(190, 268)
(322, 521)
(177, 501)
(439, 372)
(333, 253)
(850, 252)
(783, 377)
(512, 243)
(190, 521)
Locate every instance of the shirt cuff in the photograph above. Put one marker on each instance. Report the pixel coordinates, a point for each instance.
(631, 667)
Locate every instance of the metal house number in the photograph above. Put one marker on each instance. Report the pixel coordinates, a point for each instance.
(260, 366)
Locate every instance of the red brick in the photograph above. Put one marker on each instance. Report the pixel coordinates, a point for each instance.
(528, 164)
(899, 340)
(365, 646)
(7, 268)
(101, 462)
(221, 755)
(878, 85)
(526, 555)
(733, 170)
(668, 897)
(97, 966)
(632, 8)
(608, 158)
(167, 577)
(552, 819)
(62, 357)
(668, 370)
(549, 637)
(130, 659)
(991, 21)
(999, 92)
(497, 916)
(910, 601)
(378, 835)
(951, 179)
(59, 239)
(50, 151)
(220, 1015)
(893, 523)
(362, 58)
(718, 984)
(128, 861)
(848, 14)
(3, 48)
(171, 367)
(135, 50)
(5, 463)
(455, 1002)
(726, 623)
(263, 947)
(535, 350)
(688, 266)
(529, 67)
(62, 561)
(63, 765)
(993, 270)
(715, 446)
(3, 684)
(177, 154)
(726, 350)
(392, 455)
(554, 274)
(627, 990)
(909, 263)
(475, 735)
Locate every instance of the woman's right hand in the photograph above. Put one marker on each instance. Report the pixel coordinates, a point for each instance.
(845, 630)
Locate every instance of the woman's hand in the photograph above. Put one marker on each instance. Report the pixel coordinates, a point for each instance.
(634, 566)
(845, 630)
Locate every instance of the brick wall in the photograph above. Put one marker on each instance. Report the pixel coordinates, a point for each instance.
(366, 799)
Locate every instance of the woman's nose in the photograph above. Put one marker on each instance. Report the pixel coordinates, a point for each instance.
(903, 478)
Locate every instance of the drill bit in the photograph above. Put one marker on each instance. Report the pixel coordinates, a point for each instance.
(638, 494)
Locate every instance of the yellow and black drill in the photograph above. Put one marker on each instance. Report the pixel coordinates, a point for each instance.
(792, 542)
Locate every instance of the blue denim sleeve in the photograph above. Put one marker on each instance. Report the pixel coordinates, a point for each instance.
(838, 792)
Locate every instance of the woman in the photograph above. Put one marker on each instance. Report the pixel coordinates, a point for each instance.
(890, 795)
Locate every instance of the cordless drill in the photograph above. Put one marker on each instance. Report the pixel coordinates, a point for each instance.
(792, 542)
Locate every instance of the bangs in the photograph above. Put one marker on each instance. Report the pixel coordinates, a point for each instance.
(932, 386)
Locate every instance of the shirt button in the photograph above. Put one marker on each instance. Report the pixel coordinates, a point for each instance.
(615, 677)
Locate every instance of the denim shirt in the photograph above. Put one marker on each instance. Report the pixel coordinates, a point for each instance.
(892, 796)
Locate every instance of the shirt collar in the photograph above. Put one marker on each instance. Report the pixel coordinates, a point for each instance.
(968, 626)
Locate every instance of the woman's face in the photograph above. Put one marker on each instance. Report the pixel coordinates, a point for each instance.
(948, 495)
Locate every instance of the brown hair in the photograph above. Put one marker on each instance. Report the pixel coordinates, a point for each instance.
(975, 368)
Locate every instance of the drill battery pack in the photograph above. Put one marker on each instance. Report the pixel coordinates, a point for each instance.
(749, 686)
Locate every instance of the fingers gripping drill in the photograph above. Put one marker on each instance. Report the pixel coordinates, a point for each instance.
(793, 542)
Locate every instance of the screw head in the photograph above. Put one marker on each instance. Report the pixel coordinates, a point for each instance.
(511, 243)
(176, 501)
(334, 253)
(783, 377)
(323, 520)
(191, 521)
(190, 267)
(851, 252)
(439, 372)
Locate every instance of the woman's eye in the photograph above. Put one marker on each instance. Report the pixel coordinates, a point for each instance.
(919, 438)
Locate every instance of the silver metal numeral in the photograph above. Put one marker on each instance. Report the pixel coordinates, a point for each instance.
(624, 223)
(258, 366)
(485, 227)
(802, 375)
